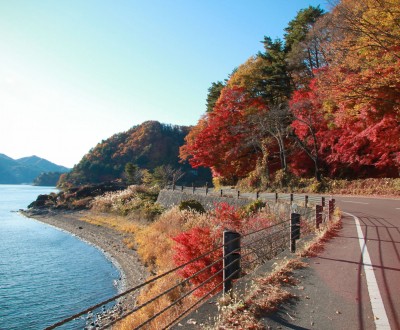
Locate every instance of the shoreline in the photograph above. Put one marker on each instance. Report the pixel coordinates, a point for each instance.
(106, 240)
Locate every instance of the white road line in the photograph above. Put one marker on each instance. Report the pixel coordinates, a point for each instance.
(355, 202)
(380, 317)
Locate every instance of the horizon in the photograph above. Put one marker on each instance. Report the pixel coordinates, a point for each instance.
(75, 73)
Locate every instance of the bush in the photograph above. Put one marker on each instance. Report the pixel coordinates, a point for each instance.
(137, 200)
(191, 205)
(254, 207)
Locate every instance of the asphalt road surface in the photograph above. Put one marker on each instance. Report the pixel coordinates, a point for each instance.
(355, 282)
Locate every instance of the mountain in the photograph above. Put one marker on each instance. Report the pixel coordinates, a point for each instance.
(25, 170)
(42, 164)
(148, 146)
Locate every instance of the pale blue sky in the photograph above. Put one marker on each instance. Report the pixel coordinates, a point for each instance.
(74, 72)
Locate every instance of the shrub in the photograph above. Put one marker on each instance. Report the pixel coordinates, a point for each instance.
(192, 244)
(135, 199)
(191, 205)
(254, 207)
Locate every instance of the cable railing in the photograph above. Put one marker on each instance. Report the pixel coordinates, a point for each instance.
(238, 254)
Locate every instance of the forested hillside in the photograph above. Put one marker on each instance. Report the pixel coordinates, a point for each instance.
(322, 102)
(145, 152)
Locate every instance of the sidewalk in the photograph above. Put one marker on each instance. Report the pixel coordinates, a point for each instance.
(332, 292)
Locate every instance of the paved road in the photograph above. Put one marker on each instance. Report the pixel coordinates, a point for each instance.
(355, 282)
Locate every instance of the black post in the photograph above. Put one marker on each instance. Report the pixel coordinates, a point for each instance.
(331, 208)
(323, 201)
(318, 215)
(206, 188)
(231, 261)
(193, 187)
(291, 198)
(182, 188)
(294, 230)
(257, 194)
(238, 194)
(276, 197)
(306, 201)
(221, 192)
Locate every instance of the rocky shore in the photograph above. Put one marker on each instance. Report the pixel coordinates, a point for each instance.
(106, 239)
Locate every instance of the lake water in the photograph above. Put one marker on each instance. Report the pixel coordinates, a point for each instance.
(45, 274)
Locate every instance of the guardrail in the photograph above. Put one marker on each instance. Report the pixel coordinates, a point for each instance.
(238, 255)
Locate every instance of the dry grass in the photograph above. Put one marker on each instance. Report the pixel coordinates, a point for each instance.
(137, 200)
(152, 308)
(158, 255)
(155, 247)
(118, 223)
(265, 296)
(379, 187)
(325, 233)
(368, 187)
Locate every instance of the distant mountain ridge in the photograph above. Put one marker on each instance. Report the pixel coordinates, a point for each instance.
(26, 169)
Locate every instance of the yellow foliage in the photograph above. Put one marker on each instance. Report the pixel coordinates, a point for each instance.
(155, 244)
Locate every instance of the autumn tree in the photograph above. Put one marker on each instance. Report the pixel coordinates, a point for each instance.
(266, 129)
(266, 79)
(217, 141)
(133, 174)
(166, 175)
(303, 37)
(213, 94)
(361, 85)
(309, 125)
(265, 74)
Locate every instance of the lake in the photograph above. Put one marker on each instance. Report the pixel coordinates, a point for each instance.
(45, 274)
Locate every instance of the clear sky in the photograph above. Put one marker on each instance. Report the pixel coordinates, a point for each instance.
(75, 72)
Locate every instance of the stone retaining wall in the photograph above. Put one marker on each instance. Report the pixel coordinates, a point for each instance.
(170, 198)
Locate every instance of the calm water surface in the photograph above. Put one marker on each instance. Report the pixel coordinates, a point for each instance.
(45, 274)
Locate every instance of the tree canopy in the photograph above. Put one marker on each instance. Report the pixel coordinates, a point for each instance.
(323, 101)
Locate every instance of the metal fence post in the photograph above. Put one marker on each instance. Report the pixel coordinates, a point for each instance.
(182, 188)
(294, 230)
(221, 192)
(331, 208)
(257, 195)
(318, 215)
(323, 201)
(193, 187)
(238, 194)
(206, 188)
(276, 197)
(231, 256)
(291, 198)
(305, 201)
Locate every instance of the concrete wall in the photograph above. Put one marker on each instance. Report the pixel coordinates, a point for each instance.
(170, 198)
(283, 209)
